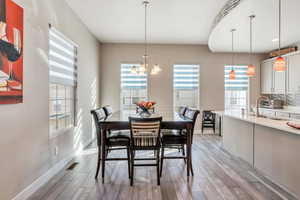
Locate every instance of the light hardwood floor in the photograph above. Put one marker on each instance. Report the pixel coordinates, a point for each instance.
(217, 176)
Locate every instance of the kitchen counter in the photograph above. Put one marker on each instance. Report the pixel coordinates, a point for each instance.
(271, 123)
(269, 145)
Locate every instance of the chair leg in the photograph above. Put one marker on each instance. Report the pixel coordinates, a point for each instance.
(157, 167)
(162, 159)
(191, 163)
(132, 167)
(98, 163)
(183, 153)
(128, 161)
(103, 162)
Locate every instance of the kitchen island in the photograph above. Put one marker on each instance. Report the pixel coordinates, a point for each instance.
(268, 145)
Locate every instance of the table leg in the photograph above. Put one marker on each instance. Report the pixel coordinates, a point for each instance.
(189, 144)
(220, 126)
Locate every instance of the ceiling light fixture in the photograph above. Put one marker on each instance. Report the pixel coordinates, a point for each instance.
(279, 65)
(251, 67)
(144, 66)
(232, 72)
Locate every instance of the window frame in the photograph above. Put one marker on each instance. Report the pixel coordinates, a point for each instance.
(198, 86)
(120, 73)
(248, 90)
(74, 99)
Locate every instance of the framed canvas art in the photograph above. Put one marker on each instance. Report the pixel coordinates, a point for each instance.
(11, 52)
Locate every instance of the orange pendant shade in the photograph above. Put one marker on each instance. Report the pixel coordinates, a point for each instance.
(251, 70)
(279, 65)
(232, 75)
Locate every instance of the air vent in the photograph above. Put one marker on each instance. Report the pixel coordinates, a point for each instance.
(72, 166)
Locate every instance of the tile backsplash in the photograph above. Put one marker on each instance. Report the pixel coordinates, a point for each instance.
(292, 99)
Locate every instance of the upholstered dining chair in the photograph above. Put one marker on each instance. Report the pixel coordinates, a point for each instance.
(178, 138)
(107, 142)
(145, 135)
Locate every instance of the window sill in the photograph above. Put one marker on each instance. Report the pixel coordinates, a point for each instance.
(63, 131)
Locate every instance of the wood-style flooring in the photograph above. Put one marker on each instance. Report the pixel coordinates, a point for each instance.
(218, 176)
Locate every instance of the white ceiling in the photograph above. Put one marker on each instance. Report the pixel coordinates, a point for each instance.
(265, 26)
(170, 21)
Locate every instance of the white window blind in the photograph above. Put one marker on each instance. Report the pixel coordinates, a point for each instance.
(241, 78)
(62, 59)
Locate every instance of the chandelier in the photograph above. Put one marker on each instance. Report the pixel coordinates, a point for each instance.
(143, 69)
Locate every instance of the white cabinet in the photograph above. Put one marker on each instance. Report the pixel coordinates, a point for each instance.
(266, 77)
(272, 82)
(294, 74)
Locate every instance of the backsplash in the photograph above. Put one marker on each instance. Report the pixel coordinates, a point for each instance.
(292, 99)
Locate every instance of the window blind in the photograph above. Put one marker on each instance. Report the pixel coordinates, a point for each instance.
(186, 76)
(241, 78)
(132, 81)
(62, 59)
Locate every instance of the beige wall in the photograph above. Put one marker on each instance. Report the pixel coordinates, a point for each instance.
(25, 148)
(160, 86)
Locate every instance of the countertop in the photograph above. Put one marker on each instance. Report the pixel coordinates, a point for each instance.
(276, 124)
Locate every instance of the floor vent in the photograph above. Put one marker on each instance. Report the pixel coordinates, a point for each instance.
(72, 166)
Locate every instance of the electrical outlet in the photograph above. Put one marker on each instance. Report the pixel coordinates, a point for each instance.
(56, 151)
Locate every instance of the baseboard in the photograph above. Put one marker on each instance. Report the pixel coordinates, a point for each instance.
(32, 188)
(42, 180)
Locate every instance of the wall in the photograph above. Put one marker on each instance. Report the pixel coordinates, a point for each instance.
(25, 148)
(161, 85)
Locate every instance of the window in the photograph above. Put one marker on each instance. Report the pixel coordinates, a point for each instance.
(133, 87)
(236, 91)
(186, 85)
(62, 81)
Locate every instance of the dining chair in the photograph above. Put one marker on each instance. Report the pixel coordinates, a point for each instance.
(178, 139)
(109, 141)
(108, 110)
(208, 120)
(145, 135)
(182, 110)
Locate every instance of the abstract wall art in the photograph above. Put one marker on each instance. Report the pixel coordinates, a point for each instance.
(11, 52)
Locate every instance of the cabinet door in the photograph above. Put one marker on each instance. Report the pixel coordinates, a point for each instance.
(279, 81)
(266, 77)
(294, 74)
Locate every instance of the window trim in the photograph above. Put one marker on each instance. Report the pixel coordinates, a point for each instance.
(57, 132)
(248, 99)
(199, 81)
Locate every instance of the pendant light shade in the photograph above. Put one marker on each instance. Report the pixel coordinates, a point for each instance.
(251, 70)
(134, 70)
(232, 75)
(279, 64)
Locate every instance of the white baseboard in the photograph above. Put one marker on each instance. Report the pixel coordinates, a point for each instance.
(32, 188)
(42, 180)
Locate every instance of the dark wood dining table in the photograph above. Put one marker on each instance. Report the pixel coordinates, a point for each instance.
(171, 120)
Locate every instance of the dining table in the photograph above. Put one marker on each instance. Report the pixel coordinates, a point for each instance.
(170, 120)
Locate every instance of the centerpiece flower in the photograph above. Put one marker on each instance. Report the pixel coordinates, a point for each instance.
(145, 106)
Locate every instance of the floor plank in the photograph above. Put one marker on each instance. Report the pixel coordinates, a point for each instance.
(218, 176)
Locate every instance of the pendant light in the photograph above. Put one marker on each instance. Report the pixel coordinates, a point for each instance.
(251, 67)
(144, 65)
(279, 65)
(232, 72)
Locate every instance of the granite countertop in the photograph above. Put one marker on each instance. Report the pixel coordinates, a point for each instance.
(272, 123)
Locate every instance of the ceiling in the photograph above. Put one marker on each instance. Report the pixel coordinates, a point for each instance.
(265, 26)
(170, 21)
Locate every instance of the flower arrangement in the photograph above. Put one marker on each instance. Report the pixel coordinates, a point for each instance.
(146, 105)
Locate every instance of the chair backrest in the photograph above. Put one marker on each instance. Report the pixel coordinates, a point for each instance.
(98, 115)
(182, 110)
(145, 132)
(208, 116)
(192, 114)
(108, 110)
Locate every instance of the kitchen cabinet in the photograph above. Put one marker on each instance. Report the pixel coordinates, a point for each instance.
(294, 74)
(272, 82)
(267, 77)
